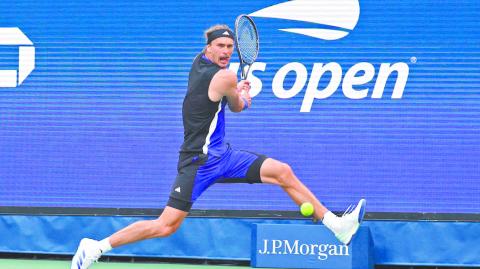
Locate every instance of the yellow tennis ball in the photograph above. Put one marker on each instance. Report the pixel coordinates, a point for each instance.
(306, 209)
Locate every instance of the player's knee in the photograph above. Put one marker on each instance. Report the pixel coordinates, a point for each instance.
(285, 174)
(162, 229)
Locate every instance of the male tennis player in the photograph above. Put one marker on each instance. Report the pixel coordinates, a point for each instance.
(205, 157)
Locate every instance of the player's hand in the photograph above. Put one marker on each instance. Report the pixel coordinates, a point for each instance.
(243, 87)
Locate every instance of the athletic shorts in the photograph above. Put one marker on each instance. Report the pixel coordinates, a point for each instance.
(198, 172)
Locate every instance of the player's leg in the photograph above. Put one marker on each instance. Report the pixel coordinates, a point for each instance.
(177, 209)
(276, 172)
(168, 222)
(243, 166)
(90, 250)
(281, 174)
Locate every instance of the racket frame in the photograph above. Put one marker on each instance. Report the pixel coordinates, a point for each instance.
(243, 63)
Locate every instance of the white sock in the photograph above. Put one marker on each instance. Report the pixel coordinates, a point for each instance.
(105, 245)
(330, 220)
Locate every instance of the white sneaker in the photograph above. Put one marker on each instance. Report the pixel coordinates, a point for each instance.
(87, 253)
(349, 223)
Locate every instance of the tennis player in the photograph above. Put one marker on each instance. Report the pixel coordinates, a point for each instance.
(205, 158)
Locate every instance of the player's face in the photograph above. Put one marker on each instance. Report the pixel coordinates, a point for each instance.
(220, 51)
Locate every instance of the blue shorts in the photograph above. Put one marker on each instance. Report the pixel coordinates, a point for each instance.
(198, 172)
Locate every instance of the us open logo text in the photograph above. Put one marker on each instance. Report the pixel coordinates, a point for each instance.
(333, 20)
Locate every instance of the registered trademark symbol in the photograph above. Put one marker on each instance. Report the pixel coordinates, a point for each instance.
(413, 59)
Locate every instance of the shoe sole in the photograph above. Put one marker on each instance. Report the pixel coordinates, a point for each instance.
(362, 210)
(361, 215)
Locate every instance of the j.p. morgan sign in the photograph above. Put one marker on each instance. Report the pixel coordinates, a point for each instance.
(308, 246)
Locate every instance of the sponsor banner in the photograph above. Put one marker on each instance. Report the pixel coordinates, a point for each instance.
(309, 246)
(396, 242)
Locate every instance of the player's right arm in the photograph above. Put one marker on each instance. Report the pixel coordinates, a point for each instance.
(224, 83)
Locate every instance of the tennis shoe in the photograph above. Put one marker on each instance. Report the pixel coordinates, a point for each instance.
(87, 253)
(349, 223)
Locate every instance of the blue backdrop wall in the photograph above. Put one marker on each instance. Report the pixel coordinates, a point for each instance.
(363, 99)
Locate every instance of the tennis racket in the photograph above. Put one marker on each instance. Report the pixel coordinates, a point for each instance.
(246, 42)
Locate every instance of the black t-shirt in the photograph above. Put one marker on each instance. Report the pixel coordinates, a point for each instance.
(203, 120)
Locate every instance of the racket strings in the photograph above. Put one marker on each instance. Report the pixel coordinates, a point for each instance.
(247, 40)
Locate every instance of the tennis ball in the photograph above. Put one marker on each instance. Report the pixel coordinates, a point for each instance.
(306, 209)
